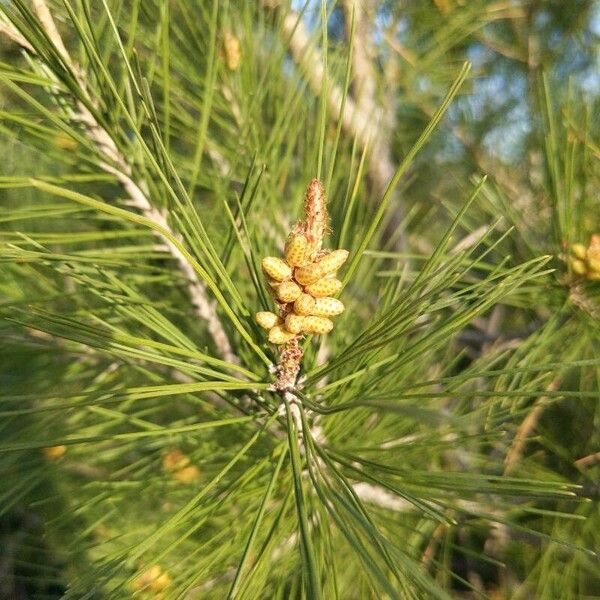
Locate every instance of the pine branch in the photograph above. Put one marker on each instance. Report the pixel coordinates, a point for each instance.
(588, 461)
(515, 452)
(117, 165)
(361, 117)
(395, 484)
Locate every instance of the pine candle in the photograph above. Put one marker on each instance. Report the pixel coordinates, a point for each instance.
(303, 284)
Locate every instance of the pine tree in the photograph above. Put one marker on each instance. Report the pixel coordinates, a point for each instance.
(425, 424)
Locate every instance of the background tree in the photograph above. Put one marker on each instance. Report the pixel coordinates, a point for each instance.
(442, 441)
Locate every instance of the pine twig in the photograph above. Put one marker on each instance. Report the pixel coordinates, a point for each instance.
(515, 452)
(314, 228)
(117, 165)
(588, 461)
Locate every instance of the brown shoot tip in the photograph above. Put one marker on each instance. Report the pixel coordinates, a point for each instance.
(316, 224)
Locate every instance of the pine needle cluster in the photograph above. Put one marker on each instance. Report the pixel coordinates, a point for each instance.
(441, 441)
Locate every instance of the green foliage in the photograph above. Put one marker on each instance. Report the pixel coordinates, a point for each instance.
(443, 439)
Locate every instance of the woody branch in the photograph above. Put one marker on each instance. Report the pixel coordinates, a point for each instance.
(115, 163)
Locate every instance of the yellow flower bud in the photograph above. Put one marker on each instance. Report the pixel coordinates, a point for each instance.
(317, 325)
(324, 287)
(327, 307)
(593, 275)
(304, 305)
(294, 322)
(280, 335)
(333, 261)
(267, 320)
(288, 291)
(276, 269)
(296, 250)
(577, 266)
(308, 274)
(578, 250)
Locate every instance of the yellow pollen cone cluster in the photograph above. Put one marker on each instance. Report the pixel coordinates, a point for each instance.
(585, 261)
(153, 581)
(303, 283)
(179, 466)
(54, 452)
(231, 51)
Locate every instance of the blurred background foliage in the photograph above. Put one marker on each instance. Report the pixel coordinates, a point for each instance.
(454, 411)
